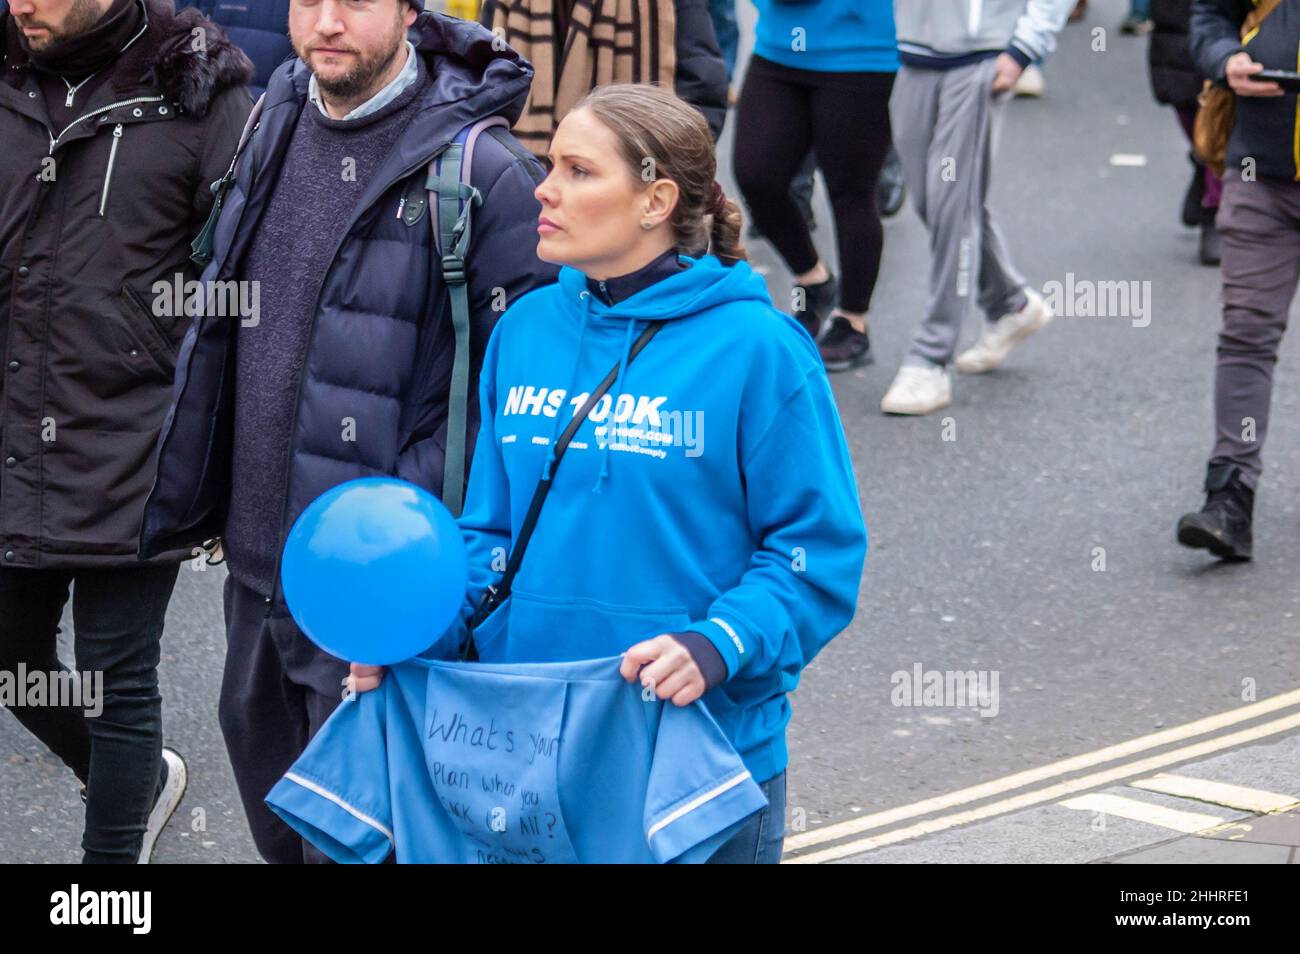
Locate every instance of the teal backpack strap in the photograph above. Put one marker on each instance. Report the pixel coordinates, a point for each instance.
(452, 199)
(201, 247)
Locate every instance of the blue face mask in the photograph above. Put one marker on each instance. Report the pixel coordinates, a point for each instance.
(516, 763)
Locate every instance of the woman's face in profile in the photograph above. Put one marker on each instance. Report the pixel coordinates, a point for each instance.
(592, 203)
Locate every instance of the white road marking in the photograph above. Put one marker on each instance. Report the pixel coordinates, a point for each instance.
(1217, 793)
(1050, 794)
(1131, 808)
(1042, 773)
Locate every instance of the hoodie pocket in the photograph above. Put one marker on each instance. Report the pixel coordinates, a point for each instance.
(558, 629)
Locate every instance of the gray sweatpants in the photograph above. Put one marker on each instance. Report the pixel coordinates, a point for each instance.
(943, 129)
(1260, 226)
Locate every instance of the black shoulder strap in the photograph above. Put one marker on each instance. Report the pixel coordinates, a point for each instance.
(496, 594)
(201, 247)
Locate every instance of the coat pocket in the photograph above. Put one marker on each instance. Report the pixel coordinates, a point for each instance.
(147, 339)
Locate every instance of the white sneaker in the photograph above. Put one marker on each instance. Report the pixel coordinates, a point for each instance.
(1030, 82)
(999, 337)
(917, 390)
(168, 799)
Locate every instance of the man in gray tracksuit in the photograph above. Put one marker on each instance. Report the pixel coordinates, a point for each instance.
(960, 60)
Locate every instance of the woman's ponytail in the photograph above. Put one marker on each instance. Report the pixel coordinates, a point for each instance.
(724, 234)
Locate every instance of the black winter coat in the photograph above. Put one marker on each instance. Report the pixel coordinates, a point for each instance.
(91, 216)
(701, 76)
(1174, 77)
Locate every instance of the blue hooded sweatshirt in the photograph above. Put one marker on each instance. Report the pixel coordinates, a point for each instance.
(854, 36)
(723, 502)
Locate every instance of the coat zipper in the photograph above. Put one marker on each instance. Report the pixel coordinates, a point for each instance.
(108, 175)
(72, 90)
(54, 140)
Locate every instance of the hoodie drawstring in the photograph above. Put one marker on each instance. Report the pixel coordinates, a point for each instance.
(585, 297)
(613, 408)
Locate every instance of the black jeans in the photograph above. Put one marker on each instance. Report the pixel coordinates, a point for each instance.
(844, 119)
(116, 751)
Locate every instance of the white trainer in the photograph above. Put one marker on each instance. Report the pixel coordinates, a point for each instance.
(999, 337)
(917, 390)
(168, 799)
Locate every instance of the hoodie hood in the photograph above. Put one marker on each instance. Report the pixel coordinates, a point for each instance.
(706, 284)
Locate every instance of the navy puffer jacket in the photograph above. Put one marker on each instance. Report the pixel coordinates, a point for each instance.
(381, 343)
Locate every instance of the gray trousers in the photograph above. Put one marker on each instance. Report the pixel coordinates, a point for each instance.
(1260, 226)
(943, 129)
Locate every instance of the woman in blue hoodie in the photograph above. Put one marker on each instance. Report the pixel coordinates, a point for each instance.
(704, 520)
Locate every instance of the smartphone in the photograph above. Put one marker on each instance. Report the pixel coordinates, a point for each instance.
(1285, 78)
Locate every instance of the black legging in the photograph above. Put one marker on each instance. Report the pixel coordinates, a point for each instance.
(844, 118)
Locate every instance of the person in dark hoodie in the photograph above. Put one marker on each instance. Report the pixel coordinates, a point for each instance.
(1257, 223)
(115, 115)
(345, 371)
(718, 562)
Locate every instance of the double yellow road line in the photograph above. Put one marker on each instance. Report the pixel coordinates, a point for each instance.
(799, 848)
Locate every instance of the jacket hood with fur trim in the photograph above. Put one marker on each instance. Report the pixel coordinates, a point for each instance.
(166, 59)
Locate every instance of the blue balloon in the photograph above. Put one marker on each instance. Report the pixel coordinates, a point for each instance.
(374, 570)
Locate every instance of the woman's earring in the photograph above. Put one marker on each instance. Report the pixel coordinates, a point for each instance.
(647, 225)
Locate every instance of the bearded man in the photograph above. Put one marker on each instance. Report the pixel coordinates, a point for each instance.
(345, 371)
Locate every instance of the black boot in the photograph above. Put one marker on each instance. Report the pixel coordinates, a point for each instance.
(818, 303)
(1223, 525)
(1194, 213)
(1211, 247)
